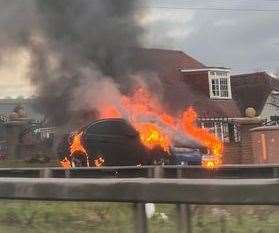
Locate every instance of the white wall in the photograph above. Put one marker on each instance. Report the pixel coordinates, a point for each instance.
(270, 108)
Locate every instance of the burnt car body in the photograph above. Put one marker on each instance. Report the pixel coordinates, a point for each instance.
(113, 142)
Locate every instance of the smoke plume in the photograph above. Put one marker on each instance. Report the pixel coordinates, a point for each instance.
(82, 56)
(71, 44)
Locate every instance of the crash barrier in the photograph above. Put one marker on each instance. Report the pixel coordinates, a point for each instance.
(182, 192)
(169, 172)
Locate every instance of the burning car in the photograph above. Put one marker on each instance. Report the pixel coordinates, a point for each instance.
(149, 135)
(107, 142)
(115, 142)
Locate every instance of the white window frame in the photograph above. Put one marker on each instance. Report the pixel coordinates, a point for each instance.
(218, 75)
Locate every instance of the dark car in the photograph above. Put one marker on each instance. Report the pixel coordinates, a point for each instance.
(108, 142)
(115, 142)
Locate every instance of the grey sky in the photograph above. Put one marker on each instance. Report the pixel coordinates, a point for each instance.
(246, 41)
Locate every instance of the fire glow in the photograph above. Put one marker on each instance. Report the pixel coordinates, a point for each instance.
(152, 137)
(65, 163)
(189, 121)
(147, 116)
(76, 148)
(76, 145)
(99, 162)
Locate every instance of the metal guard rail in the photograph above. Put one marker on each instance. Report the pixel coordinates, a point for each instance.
(171, 172)
(191, 191)
(183, 192)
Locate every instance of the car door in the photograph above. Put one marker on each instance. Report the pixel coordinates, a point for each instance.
(115, 141)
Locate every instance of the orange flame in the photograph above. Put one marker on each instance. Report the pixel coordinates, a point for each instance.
(76, 145)
(65, 163)
(99, 162)
(147, 115)
(151, 136)
(210, 163)
(151, 121)
(109, 112)
(76, 148)
(206, 138)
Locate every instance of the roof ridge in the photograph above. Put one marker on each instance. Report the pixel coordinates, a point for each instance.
(173, 51)
(253, 73)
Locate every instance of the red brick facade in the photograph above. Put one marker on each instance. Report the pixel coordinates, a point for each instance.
(265, 141)
(242, 152)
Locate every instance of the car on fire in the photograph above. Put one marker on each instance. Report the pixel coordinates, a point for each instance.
(115, 142)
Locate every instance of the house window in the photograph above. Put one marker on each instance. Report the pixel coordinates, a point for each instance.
(215, 85)
(227, 132)
(219, 84)
(224, 89)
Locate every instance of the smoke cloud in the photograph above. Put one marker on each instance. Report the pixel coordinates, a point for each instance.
(82, 56)
(71, 44)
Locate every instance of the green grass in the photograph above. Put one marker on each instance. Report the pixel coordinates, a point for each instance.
(72, 217)
(236, 219)
(42, 217)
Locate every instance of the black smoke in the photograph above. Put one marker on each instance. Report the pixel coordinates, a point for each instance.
(67, 37)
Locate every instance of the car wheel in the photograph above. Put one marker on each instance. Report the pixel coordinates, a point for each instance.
(79, 161)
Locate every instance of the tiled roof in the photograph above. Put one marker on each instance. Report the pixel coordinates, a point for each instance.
(181, 90)
(252, 90)
(164, 60)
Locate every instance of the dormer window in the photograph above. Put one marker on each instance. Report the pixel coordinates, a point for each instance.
(219, 84)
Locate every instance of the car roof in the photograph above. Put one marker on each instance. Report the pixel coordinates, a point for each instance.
(109, 119)
(106, 120)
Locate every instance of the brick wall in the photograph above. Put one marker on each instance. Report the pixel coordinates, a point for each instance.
(232, 153)
(246, 144)
(242, 152)
(265, 142)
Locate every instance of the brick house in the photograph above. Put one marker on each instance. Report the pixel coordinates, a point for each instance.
(260, 91)
(219, 97)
